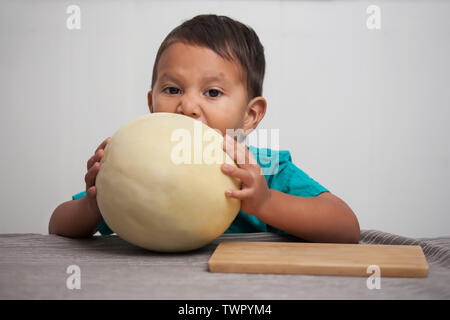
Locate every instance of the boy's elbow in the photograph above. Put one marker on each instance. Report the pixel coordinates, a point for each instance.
(353, 232)
(355, 236)
(50, 229)
(60, 225)
(349, 236)
(356, 231)
(51, 222)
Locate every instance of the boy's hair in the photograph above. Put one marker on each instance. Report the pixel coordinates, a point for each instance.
(228, 38)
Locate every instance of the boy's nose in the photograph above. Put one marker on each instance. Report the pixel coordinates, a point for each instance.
(190, 106)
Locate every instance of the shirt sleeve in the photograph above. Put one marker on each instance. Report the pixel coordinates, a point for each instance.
(294, 181)
(102, 227)
(283, 175)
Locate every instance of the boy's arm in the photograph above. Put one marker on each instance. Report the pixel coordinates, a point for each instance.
(74, 219)
(80, 218)
(324, 218)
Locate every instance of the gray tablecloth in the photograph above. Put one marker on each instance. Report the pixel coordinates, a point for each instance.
(34, 266)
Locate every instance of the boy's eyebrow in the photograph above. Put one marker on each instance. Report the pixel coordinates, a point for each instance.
(219, 78)
(168, 77)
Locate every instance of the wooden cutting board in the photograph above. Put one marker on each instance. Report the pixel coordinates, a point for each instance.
(318, 259)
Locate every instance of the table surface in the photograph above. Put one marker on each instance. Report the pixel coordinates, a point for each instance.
(34, 266)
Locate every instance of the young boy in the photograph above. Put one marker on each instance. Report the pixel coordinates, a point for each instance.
(211, 68)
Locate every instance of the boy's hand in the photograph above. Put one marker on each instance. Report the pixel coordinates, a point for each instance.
(93, 166)
(254, 191)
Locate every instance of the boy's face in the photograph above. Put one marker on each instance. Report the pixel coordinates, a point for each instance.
(196, 82)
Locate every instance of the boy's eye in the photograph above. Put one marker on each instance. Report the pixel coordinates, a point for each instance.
(213, 93)
(171, 90)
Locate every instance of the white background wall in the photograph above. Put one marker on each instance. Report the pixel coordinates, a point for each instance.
(364, 112)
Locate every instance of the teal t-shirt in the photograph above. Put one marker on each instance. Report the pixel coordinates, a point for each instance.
(281, 175)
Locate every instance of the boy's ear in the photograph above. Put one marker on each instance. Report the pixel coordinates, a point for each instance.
(256, 109)
(150, 101)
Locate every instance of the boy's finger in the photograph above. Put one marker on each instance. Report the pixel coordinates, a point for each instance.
(90, 162)
(95, 158)
(92, 191)
(239, 152)
(229, 146)
(241, 174)
(238, 194)
(89, 178)
(103, 144)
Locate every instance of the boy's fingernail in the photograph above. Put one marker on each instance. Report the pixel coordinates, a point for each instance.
(226, 167)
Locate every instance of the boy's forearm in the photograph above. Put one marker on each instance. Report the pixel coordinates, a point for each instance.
(73, 219)
(316, 219)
